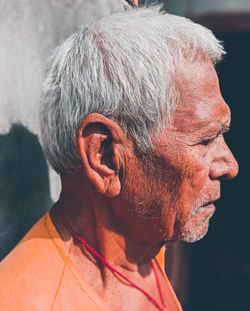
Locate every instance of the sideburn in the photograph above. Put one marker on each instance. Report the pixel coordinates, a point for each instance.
(146, 183)
(164, 175)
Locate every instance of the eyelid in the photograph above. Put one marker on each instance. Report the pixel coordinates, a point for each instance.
(206, 142)
(222, 131)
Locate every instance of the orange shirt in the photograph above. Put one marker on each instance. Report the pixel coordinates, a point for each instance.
(39, 274)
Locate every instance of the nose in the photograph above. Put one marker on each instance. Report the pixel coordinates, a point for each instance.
(224, 166)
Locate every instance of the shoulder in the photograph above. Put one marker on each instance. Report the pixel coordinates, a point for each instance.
(29, 274)
(40, 275)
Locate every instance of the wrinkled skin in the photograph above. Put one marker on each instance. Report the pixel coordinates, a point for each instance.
(127, 205)
(176, 186)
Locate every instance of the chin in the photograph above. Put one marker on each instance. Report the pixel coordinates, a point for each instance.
(197, 226)
(194, 233)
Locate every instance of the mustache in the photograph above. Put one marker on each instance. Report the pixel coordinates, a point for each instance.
(209, 195)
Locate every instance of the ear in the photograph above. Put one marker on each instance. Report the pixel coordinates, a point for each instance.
(100, 142)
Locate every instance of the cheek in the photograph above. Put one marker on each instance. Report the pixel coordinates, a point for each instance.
(141, 191)
(194, 185)
(195, 172)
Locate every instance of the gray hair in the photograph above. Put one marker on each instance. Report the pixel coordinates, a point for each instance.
(122, 67)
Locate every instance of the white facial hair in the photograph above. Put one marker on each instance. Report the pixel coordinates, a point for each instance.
(191, 231)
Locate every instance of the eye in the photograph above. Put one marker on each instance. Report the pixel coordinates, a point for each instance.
(206, 142)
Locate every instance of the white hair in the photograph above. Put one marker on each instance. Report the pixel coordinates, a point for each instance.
(122, 67)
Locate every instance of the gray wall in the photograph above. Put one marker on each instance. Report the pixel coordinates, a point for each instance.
(28, 31)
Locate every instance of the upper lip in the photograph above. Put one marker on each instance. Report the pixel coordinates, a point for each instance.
(206, 204)
(210, 202)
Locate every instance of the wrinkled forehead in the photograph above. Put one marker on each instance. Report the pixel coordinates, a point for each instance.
(200, 101)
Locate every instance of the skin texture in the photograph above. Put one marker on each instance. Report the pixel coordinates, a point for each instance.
(190, 159)
(126, 206)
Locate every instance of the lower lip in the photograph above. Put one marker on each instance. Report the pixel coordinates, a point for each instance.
(207, 210)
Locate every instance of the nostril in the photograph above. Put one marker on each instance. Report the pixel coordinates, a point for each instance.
(226, 177)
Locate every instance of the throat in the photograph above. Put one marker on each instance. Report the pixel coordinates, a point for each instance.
(145, 270)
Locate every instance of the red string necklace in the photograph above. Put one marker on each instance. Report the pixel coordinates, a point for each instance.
(158, 305)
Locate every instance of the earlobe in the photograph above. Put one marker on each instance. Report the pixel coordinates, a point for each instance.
(98, 140)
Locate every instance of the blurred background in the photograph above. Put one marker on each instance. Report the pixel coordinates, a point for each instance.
(217, 273)
(212, 274)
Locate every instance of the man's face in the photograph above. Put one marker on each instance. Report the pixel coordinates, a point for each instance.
(177, 185)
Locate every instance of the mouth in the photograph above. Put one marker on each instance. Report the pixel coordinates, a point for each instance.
(207, 207)
(207, 204)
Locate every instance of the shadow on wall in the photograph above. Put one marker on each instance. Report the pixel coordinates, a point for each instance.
(24, 185)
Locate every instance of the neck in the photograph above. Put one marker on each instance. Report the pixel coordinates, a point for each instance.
(92, 217)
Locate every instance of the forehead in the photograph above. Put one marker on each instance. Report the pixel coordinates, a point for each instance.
(200, 103)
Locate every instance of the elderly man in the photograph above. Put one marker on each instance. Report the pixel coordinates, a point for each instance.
(133, 121)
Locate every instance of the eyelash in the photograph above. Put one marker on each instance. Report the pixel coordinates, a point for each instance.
(206, 142)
